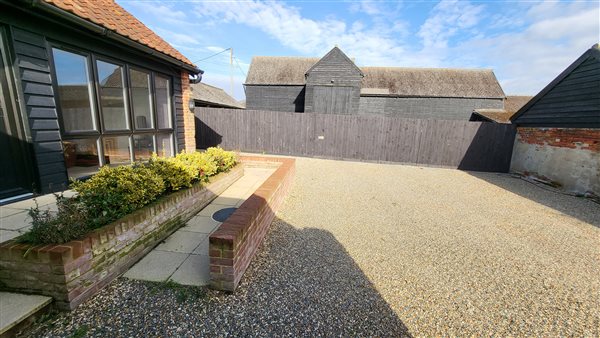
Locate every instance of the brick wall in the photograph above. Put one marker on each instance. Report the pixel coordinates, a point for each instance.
(566, 157)
(188, 115)
(236, 241)
(74, 271)
(588, 139)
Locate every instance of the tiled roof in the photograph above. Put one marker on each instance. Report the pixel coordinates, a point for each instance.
(110, 15)
(392, 81)
(213, 95)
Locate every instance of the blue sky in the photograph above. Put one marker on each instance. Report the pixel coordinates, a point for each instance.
(526, 43)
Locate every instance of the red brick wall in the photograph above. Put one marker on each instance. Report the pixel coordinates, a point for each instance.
(188, 115)
(561, 137)
(74, 271)
(234, 244)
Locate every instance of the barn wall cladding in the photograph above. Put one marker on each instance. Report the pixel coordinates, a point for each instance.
(426, 108)
(334, 84)
(465, 145)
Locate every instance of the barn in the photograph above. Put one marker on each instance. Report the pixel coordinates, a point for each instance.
(334, 84)
(205, 95)
(558, 131)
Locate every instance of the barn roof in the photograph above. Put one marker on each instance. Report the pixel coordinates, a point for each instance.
(108, 14)
(512, 104)
(213, 95)
(389, 81)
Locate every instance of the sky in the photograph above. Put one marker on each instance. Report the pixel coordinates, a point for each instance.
(526, 43)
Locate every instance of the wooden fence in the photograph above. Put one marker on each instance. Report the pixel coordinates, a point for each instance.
(478, 146)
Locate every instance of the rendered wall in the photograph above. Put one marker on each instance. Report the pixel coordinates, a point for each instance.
(569, 157)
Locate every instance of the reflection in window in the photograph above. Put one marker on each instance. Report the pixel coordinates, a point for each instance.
(116, 149)
(163, 106)
(74, 91)
(81, 157)
(141, 99)
(112, 102)
(164, 145)
(143, 146)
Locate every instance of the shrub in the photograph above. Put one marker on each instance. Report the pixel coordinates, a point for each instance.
(68, 223)
(203, 164)
(175, 174)
(116, 191)
(224, 159)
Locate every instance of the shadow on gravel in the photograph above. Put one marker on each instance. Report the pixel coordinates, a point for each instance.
(304, 283)
(587, 211)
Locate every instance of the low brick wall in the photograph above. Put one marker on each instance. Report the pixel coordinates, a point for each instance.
(73, 272)
(235, 242)
(568, 157)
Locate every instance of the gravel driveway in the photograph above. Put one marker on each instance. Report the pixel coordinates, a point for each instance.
(388, 250)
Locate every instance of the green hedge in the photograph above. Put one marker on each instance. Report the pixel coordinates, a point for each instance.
(114, 192)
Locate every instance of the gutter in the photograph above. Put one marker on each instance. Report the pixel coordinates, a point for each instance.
(48, 8)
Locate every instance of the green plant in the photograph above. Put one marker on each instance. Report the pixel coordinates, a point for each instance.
(204, 165)
(176, 175)
(224, 159)
(68, 222)
(116, 191)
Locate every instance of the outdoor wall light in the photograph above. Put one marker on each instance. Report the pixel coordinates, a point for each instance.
(191, 105)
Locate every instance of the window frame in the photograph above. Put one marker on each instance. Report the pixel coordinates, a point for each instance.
(91, 91)
(95, 103)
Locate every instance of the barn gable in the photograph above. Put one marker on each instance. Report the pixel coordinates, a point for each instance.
(572, 100)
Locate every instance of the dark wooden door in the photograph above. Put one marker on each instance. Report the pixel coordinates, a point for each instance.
(332, 100)
(14, 174)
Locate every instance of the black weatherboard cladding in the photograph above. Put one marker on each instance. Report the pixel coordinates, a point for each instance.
(34, 70)
(30, 37)
(572, 100)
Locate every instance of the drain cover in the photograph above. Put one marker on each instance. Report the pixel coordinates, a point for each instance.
(223, 214)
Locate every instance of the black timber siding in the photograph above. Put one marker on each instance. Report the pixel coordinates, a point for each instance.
(426, 107)
(31, 56)
(30, 37)
(179, 123)
(464, 145)
(333, 70)
(573, 102)
(275, 98)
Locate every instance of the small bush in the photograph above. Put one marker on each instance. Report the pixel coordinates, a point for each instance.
(203, 164)
(116, 191)
(176, 175)
(68, 223)
(225, 160)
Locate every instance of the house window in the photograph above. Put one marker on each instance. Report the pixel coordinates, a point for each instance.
(112, 113)
(142, 99)
(74, 91)
(111, 87)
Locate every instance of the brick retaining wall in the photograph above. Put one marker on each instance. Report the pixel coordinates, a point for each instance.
(73, 272)
(235, 242)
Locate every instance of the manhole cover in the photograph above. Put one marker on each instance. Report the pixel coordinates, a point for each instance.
(223, 214)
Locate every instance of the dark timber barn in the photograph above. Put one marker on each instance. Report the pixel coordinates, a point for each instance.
(334, 84)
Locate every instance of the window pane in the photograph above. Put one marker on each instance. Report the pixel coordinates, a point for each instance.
(116, 149)
(81, 157)
(163, 106)
(74, 88)
(164, 145)
(112, 101)
(143, 146)
(140, 97)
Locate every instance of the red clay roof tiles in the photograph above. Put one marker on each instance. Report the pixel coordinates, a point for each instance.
(110, 15)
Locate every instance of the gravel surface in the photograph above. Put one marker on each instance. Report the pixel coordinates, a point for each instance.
(365, 249)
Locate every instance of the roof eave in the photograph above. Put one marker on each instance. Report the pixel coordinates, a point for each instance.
(51, 9)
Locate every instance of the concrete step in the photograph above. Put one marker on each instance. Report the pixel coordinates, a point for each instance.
(17, 311)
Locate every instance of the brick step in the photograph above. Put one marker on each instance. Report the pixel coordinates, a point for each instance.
(17, 311)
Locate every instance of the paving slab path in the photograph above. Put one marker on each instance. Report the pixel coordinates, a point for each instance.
(362, 249)
(183, 256)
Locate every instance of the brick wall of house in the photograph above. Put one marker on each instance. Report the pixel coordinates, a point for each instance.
(569, 157)
(236, 241)
(74, 271)
(188, 115)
